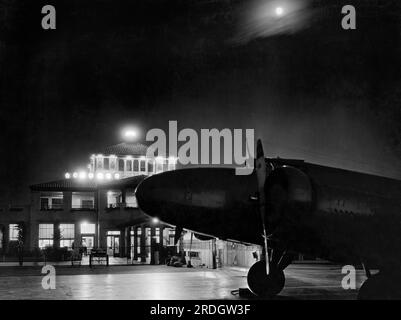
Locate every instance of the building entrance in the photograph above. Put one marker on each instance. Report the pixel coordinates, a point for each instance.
(113, 243)
(87, 243)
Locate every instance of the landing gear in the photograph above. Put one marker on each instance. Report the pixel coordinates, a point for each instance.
(381, 286)
(264, 285)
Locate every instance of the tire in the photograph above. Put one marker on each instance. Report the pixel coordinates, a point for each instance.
(264, 285)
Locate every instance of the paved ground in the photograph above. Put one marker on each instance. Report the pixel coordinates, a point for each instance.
(303, 281)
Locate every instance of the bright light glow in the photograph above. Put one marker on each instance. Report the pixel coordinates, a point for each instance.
(172, 159)
(113, 156)
(159, 159)
(155, 220)
(130, 134)
(100, 176)
(82, 175)
(117, 176)
(90, 175)
(142, 157)
(266, 18)
(75, 175)
(108, 176)
(279, 11)
(109, 193)
(67, 175)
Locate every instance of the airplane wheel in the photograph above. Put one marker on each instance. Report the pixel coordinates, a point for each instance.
(381, 287)
(264, 285)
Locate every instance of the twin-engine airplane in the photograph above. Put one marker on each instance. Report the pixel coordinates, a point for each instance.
(289, 207)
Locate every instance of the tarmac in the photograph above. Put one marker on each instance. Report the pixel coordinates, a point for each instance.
(146, 282)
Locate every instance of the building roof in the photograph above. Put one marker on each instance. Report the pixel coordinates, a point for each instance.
(86, 185)
(124, 148)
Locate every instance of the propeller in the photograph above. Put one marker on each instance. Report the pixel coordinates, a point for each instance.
(261, 172)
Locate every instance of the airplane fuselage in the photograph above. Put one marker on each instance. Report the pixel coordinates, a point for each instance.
(330, 213)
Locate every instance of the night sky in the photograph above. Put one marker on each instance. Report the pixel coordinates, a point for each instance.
(316, 92)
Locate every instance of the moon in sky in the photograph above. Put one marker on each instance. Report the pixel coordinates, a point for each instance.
(279, 11)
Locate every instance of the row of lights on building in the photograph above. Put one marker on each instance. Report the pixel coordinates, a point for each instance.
(99, 176)
(158, 158)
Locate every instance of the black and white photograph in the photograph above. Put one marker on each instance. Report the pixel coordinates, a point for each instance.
(224, 153)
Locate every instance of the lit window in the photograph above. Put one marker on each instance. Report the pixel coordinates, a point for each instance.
(99, 163)
(113, 233)
(120, 164)
(129, 165)
(157, 235)
(66, 243)
(92, 164)
(138, 240)
(67, 230)
(150, 166)
(88, 241)
(88, 228)
(67, 234)
(136, 165)
(143, 165)
(13, 232)
(113, 163)
(106, 164)
(83, 200)
(130, 199)
(171, 237)
(148, 236)
(44, 243)
(46, 231)
(46, 234)
(113, 198)
(51, 201)
(159, 166)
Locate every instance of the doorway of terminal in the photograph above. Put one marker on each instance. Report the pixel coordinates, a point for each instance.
(113, 243)
(87, 243)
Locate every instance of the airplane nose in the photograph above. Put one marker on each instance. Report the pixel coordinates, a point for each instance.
(200, 199)
(173, 191)
(171, 194)
(146, 195)
(158, 195)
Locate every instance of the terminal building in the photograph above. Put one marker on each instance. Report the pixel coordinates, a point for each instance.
(97, 208)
